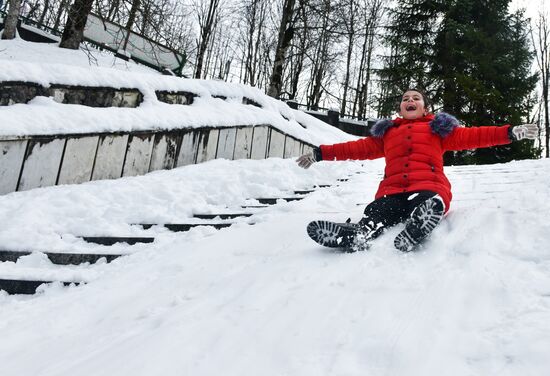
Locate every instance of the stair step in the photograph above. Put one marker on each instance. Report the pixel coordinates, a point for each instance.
(180, 227)
(222, 216)
(28, 287)
(110, 240)
(59, 258)
(273, 201)
(304, 192)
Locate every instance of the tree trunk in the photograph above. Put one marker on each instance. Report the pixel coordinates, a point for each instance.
(131, 20)
(320, 60)
(546, 127)
(113, 10)
(146, 14)
(258, 44)
(542, 54)
(358, 96)
(10, 23)
(249, 73)
(76, 21)
(351, 38)
(44, 12)
(206, 27)
(286, 32)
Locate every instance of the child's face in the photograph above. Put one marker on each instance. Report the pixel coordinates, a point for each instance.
(412, 105)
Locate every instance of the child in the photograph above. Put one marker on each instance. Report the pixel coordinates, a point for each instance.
(414, 190)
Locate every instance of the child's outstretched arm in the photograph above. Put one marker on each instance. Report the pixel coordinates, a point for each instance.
(365, 148)
(481, 137)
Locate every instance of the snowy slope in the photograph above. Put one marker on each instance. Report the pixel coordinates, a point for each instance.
(266, 300)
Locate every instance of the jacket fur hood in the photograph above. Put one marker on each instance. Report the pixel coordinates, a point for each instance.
(442, 124)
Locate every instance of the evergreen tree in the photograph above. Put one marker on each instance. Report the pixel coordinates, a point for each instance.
(409, 39)
(482, 64)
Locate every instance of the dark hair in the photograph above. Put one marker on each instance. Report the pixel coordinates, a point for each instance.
(427, 101)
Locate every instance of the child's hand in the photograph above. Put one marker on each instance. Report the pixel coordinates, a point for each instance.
(520, 132)
(306, 160)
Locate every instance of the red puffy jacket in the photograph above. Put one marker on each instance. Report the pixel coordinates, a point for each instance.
(414, 151)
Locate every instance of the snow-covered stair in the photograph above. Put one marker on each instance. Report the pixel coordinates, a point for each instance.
(26, 281)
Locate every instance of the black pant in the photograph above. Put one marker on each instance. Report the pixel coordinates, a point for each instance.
(391, 210)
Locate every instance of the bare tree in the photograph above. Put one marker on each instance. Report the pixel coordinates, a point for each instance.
(348, 20)
(298, 52)
(10, 23)
(372, 13)
(131, 20)
(541, 43)
(324, 55)
(285, 35)
(44, 12)
(206, 19)
(254, 17)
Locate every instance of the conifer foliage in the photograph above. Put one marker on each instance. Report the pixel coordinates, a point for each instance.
(473, 58)
(409, 37)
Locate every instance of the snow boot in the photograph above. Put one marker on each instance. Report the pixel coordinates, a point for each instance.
(424, 218)
(351, 237)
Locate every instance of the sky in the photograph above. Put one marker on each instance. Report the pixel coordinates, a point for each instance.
(531, 6)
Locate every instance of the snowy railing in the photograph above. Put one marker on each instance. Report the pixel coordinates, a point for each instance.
(38, 161)
(12, 92)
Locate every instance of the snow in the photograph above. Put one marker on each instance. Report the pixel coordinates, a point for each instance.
(264, 298)
(46, 64)
(259, 298)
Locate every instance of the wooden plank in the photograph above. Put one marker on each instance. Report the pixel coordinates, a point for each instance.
(273, 201)
(212, 145)
(226, 143)
(28, 287)
(78, 160)
(306, 149)
(110, 240)
(243, 143)
(110, 157)
(138, 155)
(41, 164)
(259, 142)
(188, 149)
(222, 216)
(182, 227)
(165, 150)
(12, 154)
(276, 144)
(207, 145)
(60, 258)
(292, 147)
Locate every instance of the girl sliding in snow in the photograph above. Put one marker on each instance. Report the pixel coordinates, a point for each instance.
(414, 190)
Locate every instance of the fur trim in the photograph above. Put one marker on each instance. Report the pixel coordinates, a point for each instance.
(443, 124)
(380, 127)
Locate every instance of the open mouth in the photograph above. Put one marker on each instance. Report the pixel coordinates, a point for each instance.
(411, 108)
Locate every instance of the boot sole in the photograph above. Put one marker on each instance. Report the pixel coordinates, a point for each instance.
(334, 235)
(421, 223)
